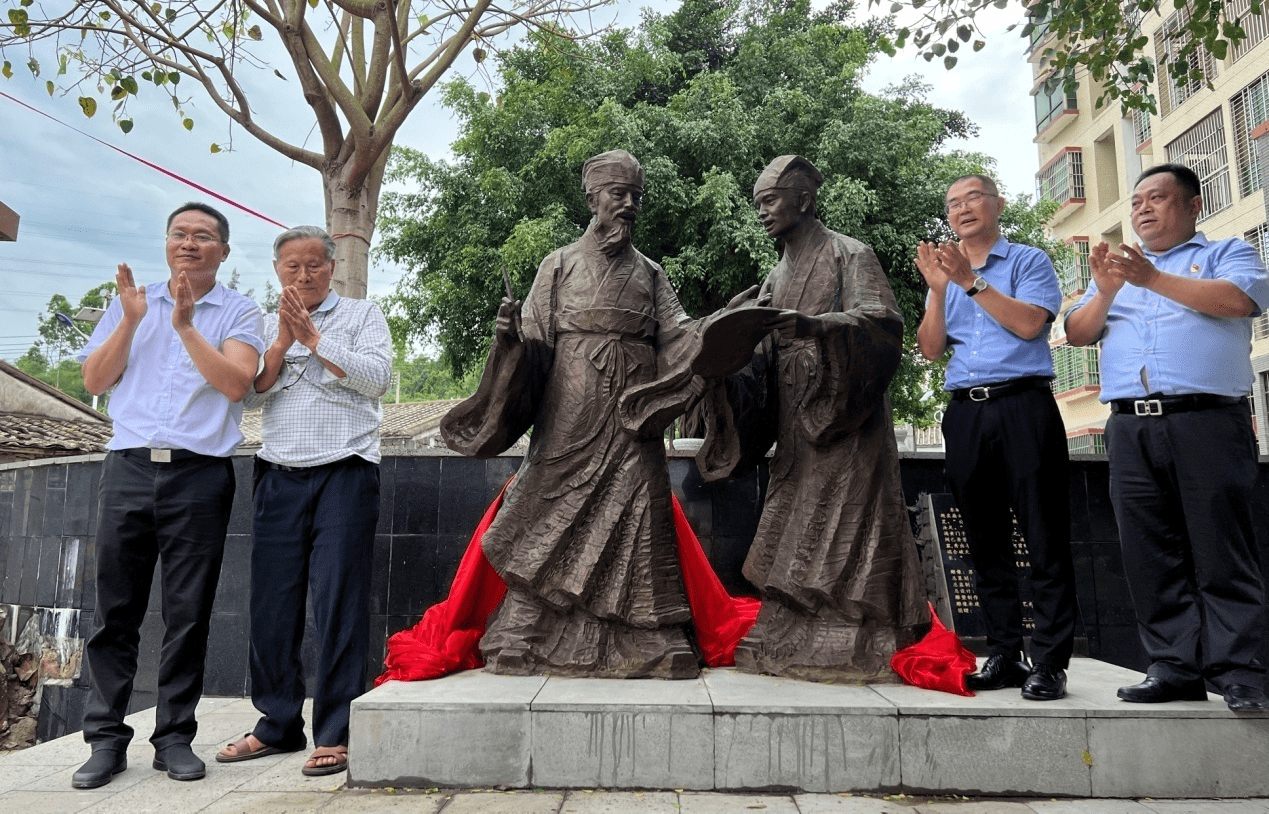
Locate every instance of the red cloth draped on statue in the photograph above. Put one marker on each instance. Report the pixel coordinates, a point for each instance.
(938, 662)
(447, 638)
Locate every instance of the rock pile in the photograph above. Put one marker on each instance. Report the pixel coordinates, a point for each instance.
(18, 679)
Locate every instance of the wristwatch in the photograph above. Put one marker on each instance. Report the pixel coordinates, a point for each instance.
(979, 286)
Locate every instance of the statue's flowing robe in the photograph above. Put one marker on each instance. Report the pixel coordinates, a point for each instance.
(585, 538)
(833, 556)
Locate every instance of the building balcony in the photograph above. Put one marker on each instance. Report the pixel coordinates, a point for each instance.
(1062, 180)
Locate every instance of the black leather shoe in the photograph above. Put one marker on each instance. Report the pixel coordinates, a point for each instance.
(1243, 698)
(180, 762)
(997, 673)
(1155, 690)
(100, 769)
(1046, 683)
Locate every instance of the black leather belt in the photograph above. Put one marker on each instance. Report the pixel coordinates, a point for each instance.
(284, 468)
(1164, 405)
(987, 392)
(161, 456)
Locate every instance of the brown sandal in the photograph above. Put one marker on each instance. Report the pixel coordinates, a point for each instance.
(243, 751)
(340, 753)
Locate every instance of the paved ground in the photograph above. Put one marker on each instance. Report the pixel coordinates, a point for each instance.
(37, 781)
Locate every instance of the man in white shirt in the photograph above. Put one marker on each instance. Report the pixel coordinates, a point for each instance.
(316, 503)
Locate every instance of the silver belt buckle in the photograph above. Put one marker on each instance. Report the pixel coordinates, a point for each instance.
(1147, 407)
(160, 456)
(979, 393)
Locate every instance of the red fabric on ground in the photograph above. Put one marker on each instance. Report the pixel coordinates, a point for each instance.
(938, 662)
(447, 638)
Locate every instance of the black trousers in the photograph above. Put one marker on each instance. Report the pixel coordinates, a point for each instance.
(315, 528)
(1010, 453)
(175, 514)
(1181, 485)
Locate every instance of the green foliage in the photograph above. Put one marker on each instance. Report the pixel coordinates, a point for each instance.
(427, 379)
(64, 376)
(60, 338)
(705, 97)
(1104, 38)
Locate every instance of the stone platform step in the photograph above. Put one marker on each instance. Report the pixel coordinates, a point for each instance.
(732, 731)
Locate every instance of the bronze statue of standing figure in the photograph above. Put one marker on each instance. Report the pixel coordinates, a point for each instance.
(585, 537)
(833, 557)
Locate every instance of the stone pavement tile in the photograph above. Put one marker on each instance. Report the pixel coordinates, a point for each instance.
(377, 801)
(850, 804)
(976, 807)
(49, 802)
(620, 802)
(492, 802)
(158, 794)
(16, 775)
(268, 802)
(713, 803)
(223, 729)
(66, 750)
(1088, 806)
(282, 773)
(1251, 806)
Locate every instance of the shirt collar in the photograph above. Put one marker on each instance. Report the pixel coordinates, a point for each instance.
(1000, 248)
(1199, 239)
(327, 304)
(216, 296)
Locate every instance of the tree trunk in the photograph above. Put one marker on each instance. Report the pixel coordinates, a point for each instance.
(350, 219)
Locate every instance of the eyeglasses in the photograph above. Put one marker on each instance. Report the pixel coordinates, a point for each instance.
(201, 238)
(971, 199)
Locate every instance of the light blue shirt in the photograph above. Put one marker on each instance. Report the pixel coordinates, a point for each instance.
(161, 400)
(1152, 344)
(984, 351)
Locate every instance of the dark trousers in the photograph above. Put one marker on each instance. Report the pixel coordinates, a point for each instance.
(313, 528)
(1010, 452)
(175, 514)
(1181, 486)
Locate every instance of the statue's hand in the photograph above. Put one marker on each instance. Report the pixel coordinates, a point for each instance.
(508, 327)
(747, 298)
(794, 324)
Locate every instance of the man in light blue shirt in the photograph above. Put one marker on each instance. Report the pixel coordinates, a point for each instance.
(991, 303)
(1173, 315)
(180, 355)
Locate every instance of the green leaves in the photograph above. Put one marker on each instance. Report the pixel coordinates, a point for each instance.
(19, 20)
(89, 105)
(187, 123)
(125, 125)
(7, 69)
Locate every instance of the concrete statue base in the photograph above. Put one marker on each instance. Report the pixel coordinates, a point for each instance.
(731, 731)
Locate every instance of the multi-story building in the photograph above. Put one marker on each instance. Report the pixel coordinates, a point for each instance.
(1090, 156)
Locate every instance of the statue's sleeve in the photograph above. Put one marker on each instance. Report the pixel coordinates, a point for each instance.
(738, 415)
(861, 347)
(505, 404)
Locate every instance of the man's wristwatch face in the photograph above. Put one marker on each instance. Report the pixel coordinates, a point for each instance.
(979, 286)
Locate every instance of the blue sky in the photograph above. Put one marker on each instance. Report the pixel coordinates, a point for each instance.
(85, 207)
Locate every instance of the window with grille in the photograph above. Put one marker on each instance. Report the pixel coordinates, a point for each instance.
(1051, 101)
(1202, 149)
(1086, 444)
(1248, 108)
(1075, 275)
(1075, 367)
(1255, 26)
(1169, 39)
(1140, 126)
(1062, 178)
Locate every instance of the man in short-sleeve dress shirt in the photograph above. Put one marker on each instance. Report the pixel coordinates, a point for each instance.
(991, 303)
(180, 356)
(1173, 315)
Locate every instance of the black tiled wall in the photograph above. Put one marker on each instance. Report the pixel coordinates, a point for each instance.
(429, 507)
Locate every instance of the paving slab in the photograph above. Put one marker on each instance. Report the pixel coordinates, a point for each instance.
(848, 804)
(286, 802)
(522, 802)
(608, 802)
(1094, 806)
(1208, 806)
(467, 729)
(63, 802)
(976, 807)
(715, 803)
(17, 775)
(623, 734)
(384, 801)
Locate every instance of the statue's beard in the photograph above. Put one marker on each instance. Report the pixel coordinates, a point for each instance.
(613, 235)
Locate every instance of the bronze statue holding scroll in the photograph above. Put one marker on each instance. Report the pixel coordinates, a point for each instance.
(834, 556)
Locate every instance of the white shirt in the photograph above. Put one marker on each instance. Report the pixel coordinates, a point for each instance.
(313, 417)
